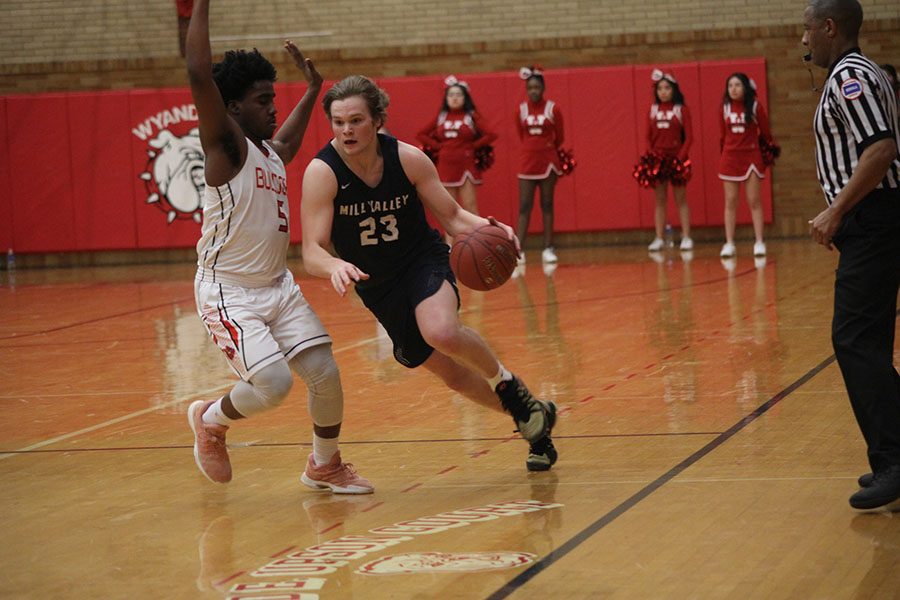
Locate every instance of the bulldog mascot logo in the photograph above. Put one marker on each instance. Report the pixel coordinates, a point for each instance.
(173, 176)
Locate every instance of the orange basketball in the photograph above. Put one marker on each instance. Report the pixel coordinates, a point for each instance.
(484, 259)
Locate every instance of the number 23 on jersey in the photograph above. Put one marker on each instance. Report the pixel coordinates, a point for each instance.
(371, 232)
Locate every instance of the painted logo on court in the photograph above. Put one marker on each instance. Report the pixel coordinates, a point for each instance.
(851, 89)
(173, 176)
(444, 562)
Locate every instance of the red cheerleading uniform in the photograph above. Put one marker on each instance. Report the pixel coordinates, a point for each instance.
(669, 130)
(540, 128)
(457, 134)
(740, 141)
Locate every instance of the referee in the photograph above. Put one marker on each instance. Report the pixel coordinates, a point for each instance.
(857, 162)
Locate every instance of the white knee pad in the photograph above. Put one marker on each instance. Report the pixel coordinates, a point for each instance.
(265, 390)
(318, 370)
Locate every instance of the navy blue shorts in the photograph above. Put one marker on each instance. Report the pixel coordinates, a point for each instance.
(394, 303)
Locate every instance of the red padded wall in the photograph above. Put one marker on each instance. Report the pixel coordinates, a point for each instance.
(119, 170)
(43, 215)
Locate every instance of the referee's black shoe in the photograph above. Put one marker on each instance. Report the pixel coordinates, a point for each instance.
(884, 489)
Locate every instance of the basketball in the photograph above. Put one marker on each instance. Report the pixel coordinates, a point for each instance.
(484, 259)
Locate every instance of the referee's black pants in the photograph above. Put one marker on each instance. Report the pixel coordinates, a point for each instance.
(865, 311)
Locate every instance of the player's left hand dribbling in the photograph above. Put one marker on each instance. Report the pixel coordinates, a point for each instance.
(346, 276)
(509, 233)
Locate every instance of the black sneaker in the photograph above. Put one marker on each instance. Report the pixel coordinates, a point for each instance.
(884, 489)
(541, 455)
(534, 418)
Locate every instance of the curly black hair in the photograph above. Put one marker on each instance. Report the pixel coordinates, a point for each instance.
(239, 70)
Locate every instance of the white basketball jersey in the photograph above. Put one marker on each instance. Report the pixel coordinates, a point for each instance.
(245, 233)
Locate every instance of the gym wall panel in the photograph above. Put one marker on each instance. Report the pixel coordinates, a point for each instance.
(6, 228)
(102, 173)
(603, 134)
(43, 215)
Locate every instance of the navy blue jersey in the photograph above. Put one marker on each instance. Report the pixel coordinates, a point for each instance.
(379, 229)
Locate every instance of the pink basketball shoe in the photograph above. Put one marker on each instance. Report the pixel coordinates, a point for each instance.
(338, 476)
(210, 452)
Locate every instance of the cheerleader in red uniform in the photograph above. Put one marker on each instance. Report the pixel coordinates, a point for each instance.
(456, 133)
(744, 121)
(669, 133)
(540, 125)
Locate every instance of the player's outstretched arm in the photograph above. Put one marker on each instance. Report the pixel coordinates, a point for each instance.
(221, 137)
(452, 217)
(289, 136)
(316, 217)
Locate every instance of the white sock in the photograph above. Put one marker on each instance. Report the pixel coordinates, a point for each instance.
(324, 449)
(502, 375)
(215, 416)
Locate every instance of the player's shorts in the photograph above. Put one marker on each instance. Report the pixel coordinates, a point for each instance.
(394, 303)
(255, 327)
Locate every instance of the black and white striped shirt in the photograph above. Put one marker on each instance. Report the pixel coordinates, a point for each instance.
(857, 108)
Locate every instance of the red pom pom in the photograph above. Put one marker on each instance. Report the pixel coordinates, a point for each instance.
(646, 171)
(567, 161)
(770, 151)
(680, 171)
(654, 168)
(484, 158)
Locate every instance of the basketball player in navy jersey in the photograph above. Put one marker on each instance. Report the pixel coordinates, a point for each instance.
(247, 298)
(364, 193)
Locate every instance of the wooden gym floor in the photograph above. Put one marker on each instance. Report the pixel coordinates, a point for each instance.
(707, 448)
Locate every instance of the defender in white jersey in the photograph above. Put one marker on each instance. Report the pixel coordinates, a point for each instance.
(247, 298)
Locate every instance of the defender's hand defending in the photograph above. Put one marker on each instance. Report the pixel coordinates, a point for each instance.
(509, 233)
(304, 64)
(345, 276)
(824, 226)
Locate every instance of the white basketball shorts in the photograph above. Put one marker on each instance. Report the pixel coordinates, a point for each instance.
(255, 327)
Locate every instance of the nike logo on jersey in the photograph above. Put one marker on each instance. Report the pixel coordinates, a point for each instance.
(345, 186)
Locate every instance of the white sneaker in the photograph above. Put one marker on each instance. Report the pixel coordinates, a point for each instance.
(728, 250)
(656, 245)
(759, 249)
(519, 271)
(548, 256)
(687, 244)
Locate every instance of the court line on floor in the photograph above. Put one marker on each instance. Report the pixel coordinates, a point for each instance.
(363, 442)
(144, 411)
(582, 536)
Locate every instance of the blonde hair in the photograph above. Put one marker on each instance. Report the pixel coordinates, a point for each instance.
(357, 85)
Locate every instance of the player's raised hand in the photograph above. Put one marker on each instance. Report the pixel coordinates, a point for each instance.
(304, 64)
